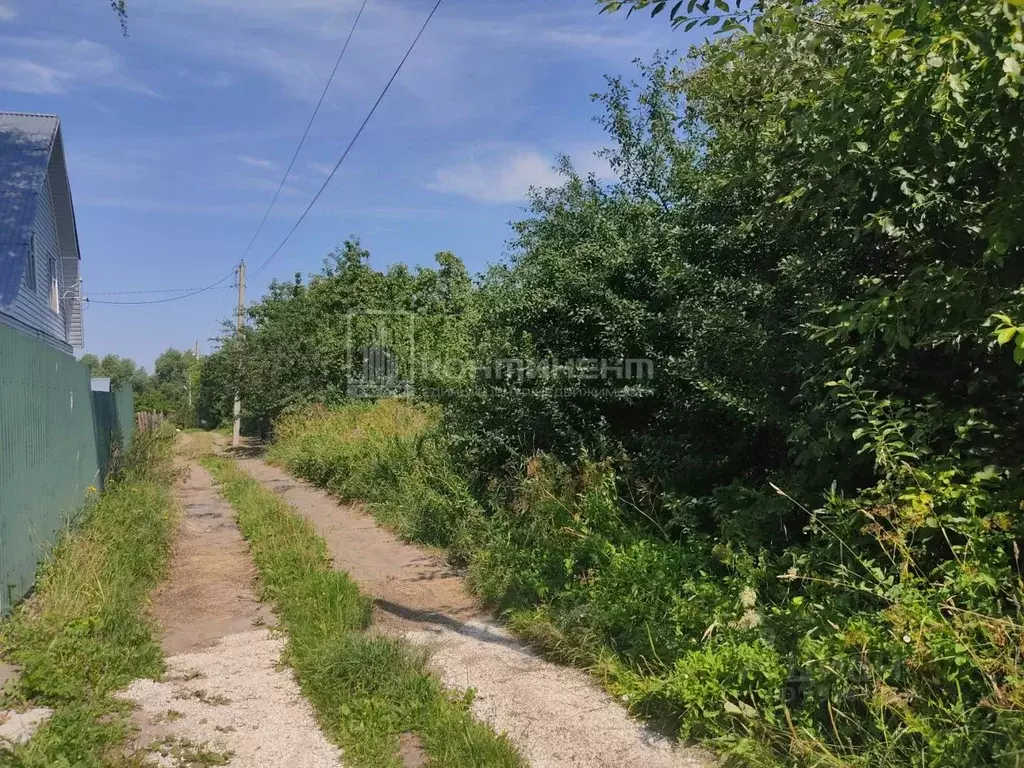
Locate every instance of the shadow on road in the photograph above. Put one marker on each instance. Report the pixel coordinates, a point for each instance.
(475, 630)
(250, 449)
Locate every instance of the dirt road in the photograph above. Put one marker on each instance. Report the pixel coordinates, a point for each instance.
(225, 695)
(558, 716)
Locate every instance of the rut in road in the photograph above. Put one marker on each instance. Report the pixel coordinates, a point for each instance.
(556, 715)
(225, 693)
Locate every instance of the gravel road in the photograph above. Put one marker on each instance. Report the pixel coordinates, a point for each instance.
(558, 716)
(225, 692)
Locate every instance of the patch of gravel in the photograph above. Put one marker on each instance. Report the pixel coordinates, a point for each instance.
(556, 714)
(19, 727)
(232, 698)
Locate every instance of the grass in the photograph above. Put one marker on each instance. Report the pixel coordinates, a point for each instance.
(368, 690)
(85, 633)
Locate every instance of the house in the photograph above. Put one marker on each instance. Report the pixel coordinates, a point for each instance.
(39, 257)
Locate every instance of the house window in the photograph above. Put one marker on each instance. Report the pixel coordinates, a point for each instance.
(30, 267)
(54, 287)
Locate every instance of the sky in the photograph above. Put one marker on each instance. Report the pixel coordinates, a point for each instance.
(177, 135)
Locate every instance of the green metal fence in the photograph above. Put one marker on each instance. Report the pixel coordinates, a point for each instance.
(56, 440)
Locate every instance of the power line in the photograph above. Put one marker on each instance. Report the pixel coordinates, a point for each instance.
(195, 292)
(148, 290)
(189, 292)
(351, 144)
(305, 133)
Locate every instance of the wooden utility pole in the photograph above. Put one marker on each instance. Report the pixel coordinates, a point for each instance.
(191, 378)
(236, 438)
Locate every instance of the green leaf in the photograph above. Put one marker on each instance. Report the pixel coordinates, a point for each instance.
(1006, 335)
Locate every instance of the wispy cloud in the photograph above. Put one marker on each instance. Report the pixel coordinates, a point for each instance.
(321, 168)
(55, 65)
(501, 179)
(505, 173)
(7, 14)
(293, 43)
(251, 211)
(259, 162)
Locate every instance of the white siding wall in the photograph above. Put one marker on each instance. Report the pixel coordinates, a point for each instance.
(32, 308)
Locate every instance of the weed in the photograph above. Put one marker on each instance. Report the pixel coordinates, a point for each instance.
(214, 700)
(184, 753)
(184, 677)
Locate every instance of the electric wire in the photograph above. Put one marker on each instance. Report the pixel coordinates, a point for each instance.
(196, 292)
(148, 290)
(352, 143)
(189, 292)
(305, 134)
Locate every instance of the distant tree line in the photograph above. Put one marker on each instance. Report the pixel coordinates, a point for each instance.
(171, 389)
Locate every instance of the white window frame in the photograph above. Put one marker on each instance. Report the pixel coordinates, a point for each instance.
(30, 266)
(54, 287)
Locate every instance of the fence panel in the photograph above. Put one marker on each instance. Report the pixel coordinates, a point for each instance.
(55, 444)
(124, 411)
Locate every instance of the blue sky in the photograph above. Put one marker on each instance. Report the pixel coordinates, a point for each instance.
(177, 135)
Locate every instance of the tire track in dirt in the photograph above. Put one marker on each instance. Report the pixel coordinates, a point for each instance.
(225, 692)
(557, 715)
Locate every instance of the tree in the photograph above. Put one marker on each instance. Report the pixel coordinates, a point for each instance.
(721, 14)
(644, 268)
(121, 9)
(306, 339)
(120, 370)
(174, 383)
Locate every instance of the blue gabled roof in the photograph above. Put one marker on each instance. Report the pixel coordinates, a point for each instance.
(26, 142)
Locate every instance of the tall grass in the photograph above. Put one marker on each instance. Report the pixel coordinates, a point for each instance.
(368, 690)
(385, 454)
(85, 633)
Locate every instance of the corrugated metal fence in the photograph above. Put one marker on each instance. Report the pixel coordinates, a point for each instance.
(56, 440)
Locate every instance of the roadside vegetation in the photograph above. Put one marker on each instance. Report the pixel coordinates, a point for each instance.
(85, 633)
(171, 390)
(800, 539)
(690, 631)
(368, 690)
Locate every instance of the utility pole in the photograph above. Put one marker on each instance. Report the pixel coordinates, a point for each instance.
(191, 377)
(236, 438)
